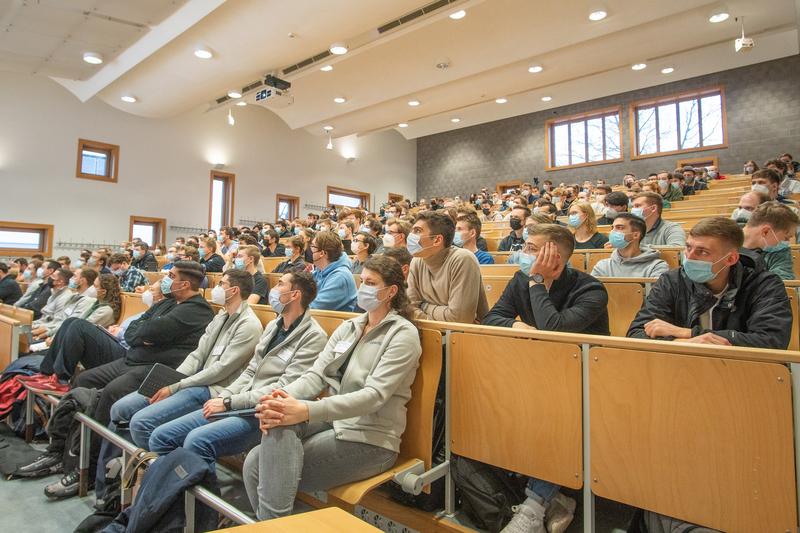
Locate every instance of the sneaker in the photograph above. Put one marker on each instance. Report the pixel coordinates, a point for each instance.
(528, 518)
(44, 465)
(560, 513)
(66, 487)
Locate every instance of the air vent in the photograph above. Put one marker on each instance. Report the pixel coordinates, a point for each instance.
(405, 19)
(223, 99)
(306, 62)
(252, 86)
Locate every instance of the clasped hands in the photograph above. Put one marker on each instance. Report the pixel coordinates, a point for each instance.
(280, 409)
(661, 328)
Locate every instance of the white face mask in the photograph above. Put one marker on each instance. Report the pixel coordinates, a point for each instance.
(147, 298)
(218, 295)
(91, 292)
(758, 187)
(388, 241)
(355, 247)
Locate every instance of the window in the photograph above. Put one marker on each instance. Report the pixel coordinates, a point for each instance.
(507, 186)
(687, 122)
(97, 161)
(584, 139)
(220, 201)
(347, 198)
(286, 207)
(19, 238)
(151, 230)
(394, 197)
(699, 162)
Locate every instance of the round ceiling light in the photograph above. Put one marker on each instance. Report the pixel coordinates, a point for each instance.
(455, 120)
(402, 125)
(241, 104)
(597, 15)
(667, 70)
(326, 68)
(340, 99)
(639, 66)
(501, 100)
(535, 69)
(458, 15)
(720, 15)
(338, 49)
(546, 98)
(413, 103)
(128, 99)
(92, 58)
(202, 53)
(234, 94)
(327, 128)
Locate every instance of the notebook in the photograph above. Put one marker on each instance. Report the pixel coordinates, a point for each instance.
(160, 376)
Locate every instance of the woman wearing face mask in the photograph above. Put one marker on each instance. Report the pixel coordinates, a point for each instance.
(363, 246)
(583, 224)
(369, 362)
(294, 256)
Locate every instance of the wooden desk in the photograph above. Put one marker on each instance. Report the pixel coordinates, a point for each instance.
(329, 520)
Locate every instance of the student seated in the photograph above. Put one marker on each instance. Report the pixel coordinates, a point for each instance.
(39, 287)
(336, 290)
(583, 222)
(221, 355)
(143, 258)
(272, 245)
(660, 232)
(615, 202)
(60, 295)
(367, 367)
(669, 187)
(767, 233)
(129, 277)
(444, 282)
(248, 259)
(209, 258)
(747, 204)
(514, 241)
(362, 246)
(468, 230)
(10, 291)
(402, 256)
(396, 233)
(629, 259)
(719, 295)
(547, 295)
(294, 256)
(767, 181)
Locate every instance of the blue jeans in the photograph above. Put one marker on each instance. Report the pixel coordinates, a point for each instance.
(208, 439)
(542, 491)
(145, 418)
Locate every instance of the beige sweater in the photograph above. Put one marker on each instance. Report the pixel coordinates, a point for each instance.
(448, 287)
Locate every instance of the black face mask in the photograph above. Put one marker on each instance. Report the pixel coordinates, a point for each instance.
(516, 224)
(486, 210)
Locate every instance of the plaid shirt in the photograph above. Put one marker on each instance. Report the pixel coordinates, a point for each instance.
(131, 279)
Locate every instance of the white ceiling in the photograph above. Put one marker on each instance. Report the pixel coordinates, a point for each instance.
(488, 53)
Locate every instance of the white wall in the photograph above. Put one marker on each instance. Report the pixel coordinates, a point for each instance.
(165, 164)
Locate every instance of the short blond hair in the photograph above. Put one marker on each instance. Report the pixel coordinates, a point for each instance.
(555, 233)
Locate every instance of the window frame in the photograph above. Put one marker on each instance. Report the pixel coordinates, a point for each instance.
(676, 98)
(294, 206)
(699, 162)
(364, 196)
(549, 127)
(113, 164)
(503, 186)
(230, 193)
(160, 228)
(394, 197)
(46, 241)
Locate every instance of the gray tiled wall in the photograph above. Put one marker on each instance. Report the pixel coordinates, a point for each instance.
(763, 113)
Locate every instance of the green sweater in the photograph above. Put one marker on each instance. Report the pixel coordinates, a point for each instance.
(780, 263)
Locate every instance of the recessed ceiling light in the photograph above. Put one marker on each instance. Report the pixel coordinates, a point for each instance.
(202, 53)
(402, 125)
(546, 98)
(455, 120)
(639, 66)
(535, 69)
(129, 99)
(338, 49)
(458, 15)
(719, 15)
(327, 128)
(598, 14)
(501, 100)
(326, 68)
(413, 103)
(340, 99)
(234, 94)
(667, 70)
(92, 58)
(241, 104)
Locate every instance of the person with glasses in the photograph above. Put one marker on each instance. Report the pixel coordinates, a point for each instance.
(546, 295)
(444, 282)
(396, 233)
(336, 289)
(362, 246)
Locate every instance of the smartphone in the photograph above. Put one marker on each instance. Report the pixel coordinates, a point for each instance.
(240, 412)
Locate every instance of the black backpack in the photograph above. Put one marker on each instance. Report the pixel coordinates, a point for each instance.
(487, 493)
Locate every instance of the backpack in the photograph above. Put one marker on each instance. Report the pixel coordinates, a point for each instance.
(649, 522)
(487, 492)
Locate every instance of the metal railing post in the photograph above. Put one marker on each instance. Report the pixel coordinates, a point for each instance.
(588, 495)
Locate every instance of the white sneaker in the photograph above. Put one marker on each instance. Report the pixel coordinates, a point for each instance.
(528, 518)
(560, 513)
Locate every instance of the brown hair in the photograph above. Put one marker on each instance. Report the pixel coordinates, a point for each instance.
(304, 282)
(253, 252)
(557, 234)
(653, 198)
(330, 243)
(402, 226)
(210, 244)
(391, 272)
(777, 215)
(118, 259)
(439, 224)
(722, 228)
(586, 209)
(241, 279)
(192, 252)
(89, 275)
(298, 242)
(110, 284)
(471, 220)
(190, 271)
(768, 174)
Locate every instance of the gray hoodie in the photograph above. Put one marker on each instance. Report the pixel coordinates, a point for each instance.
(647, 264)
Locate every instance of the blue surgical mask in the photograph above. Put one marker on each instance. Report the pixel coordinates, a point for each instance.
(297, 230)
(72, 284)
(617, 239)
(171, 256)
(275, 300)
(239, 263)
(458, 239)
(288, 252)
(637, 212)
(574, 220)
(40, 273)
(663, 184)
(201, 251)
(526, 262)
(78, 263)
(525, 234)
(166, 285)
(781, 246)
(368, 297)
(92, 262)
(26, 274)
(412, 242)
(675, 185)
(363, 229)
(137, 254)
(700, 271)
(342, 234)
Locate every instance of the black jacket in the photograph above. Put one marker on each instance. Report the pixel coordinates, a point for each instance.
(10, 290)
(147, 263)
(280, 251)
(38, 300)
(511, 243)
(576, 303)
(167, 332)
(214, 264)
(754, 312)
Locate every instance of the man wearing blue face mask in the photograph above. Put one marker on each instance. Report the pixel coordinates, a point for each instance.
(548, 296)
(767, 233)
(721, 295)
(660, 232)
(248, 258)
(143, 259)
(629, 259)
(129, 277)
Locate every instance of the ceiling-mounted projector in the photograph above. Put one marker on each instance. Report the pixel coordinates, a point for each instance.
(271, 98)
(743, 44)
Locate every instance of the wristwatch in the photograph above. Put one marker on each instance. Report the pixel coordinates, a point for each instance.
(227, 403)
(537, 278)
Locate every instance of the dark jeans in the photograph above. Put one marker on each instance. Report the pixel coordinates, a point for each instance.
(79, 341)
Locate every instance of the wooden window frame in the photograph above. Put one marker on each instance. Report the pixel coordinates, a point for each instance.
(676, 98)
(227, 216)
(161, 228)
(699, 161)
(365, 196)
(46, 248)
(113, 164)
(394, 197)
(501, 187)
(294, 207)
(550, 125)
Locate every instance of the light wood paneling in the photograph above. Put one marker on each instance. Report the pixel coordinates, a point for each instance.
(494, 287)
(624, 301)
(329, 520)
